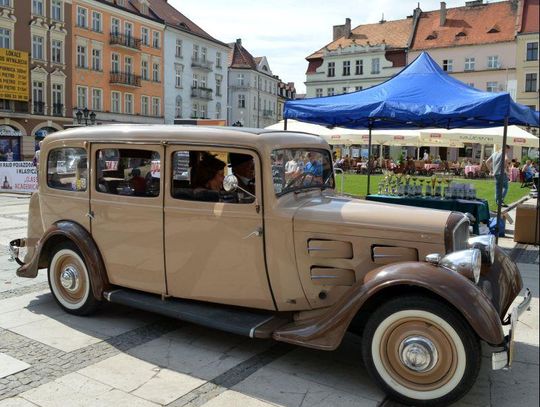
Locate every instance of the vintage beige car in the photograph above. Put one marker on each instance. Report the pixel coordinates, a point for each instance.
(242, 230)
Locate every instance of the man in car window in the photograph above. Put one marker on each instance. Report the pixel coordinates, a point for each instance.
(314, 165)
(243, 168)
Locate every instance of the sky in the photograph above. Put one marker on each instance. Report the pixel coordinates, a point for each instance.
(287, 31)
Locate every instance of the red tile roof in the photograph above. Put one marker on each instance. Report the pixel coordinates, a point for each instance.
(395, 34)
(176, 19)
(239, 57)
(531, 13)
(130, 6)
(481, 24)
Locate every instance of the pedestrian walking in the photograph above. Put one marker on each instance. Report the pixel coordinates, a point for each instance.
(499, 170)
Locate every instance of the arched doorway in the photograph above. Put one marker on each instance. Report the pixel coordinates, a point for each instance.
(10, 143)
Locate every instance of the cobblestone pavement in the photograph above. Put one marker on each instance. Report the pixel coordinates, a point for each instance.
(124, 357)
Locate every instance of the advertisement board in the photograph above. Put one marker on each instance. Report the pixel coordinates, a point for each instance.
(18, 176)
(13, 75)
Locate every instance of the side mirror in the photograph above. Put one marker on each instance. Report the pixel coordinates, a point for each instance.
(230, 183)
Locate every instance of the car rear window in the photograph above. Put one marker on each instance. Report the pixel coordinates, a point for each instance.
(67, 169)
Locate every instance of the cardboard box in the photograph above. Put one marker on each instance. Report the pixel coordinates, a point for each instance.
(527, 223)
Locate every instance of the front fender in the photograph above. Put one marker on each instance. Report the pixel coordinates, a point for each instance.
(327, 330)
(66, 230)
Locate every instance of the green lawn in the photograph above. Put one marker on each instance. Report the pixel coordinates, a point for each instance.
(356, 184)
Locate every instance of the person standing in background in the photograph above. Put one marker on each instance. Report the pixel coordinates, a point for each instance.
(499, 169)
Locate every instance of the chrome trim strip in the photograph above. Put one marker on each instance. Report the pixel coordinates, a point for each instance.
(107, 294)
(322, 277)
(252, 331)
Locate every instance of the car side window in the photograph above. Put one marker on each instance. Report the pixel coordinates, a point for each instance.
(67, 169)
(128, 172)
(198, 176)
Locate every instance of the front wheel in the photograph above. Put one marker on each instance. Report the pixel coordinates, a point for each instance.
(421, 351)
(70, 281)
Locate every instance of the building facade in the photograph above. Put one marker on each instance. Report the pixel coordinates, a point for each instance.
(359, 58)
(527, 66)
(286, 91)
(41, 31)
(195, 66)
(118, 61)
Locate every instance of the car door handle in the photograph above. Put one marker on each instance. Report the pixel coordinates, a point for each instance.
(90, 214)
(256, 232)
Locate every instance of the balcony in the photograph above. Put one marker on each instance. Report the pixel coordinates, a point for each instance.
(126, 79)
(126, 41)
(39, 107)
(201, 93)
(58, 109)
(201, 64)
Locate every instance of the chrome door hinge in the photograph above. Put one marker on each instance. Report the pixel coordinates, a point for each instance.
(90, 214)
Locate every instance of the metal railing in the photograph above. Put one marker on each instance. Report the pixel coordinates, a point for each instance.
(125, 41)
(200, 63)
(125, 78)
(58, 109)
(39, 107)
(201, 93)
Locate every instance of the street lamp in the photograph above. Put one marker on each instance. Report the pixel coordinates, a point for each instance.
(87, 115)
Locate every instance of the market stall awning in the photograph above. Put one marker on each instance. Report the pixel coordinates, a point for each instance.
(493, 135)
(421, 95)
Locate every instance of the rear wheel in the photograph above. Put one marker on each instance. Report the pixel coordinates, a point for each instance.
(421, 351)
(70, 281)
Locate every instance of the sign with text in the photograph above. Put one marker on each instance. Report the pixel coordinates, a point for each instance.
(13, 75)
(18, 176)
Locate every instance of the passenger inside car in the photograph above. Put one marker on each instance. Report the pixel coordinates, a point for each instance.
(208, 179)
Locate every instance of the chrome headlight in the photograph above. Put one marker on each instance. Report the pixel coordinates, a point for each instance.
(465, 262)
(486, 245)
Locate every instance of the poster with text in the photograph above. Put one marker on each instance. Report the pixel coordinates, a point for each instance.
(18, 176)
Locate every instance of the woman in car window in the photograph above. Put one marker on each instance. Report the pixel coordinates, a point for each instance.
(208, 179)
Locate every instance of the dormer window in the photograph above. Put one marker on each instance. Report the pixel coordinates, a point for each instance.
(432, 36)
(494, 29)
(144, 8)
(461, 34)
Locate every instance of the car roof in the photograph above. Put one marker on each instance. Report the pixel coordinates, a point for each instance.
(215, 135)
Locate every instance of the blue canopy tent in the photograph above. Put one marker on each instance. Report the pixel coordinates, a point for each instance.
(421, 95)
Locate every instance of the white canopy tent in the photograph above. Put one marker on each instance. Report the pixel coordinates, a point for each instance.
(488, 136)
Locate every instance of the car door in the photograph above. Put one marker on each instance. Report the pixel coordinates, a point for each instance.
(214, 251)
(127, 214)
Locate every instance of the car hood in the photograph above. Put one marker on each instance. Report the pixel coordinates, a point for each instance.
(357, 217)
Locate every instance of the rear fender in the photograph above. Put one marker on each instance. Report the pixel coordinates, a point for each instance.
(327, 330)
(62, 231)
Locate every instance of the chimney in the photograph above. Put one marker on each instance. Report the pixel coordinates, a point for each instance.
(443, 13)
(382, 19)
(343, 30)
(239, 42)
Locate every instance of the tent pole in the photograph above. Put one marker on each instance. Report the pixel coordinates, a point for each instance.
(285, 124)
(501, 179)
(370, 125)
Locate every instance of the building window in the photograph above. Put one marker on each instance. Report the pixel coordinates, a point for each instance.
(470, 64)
(145, 36)
(178, 48)
(58, 99)
(156, 107)
(375, 66)
(471, 84)
(81, 56)
(128, 103)
(240, 79)
(56, 10)
(195, 81)
(128, 29)
(155, 72)
(448, 65)
(218, 110)
(115, 102)
(357, 88)
(144, 105)
(5, 3)
(218, 87)
(493, 62)
(345, 89)
(195, 52)
(96, 22)
(128, 65)
(204, 51)
(144, 70)
(115, 26)
(491, 86)
(178, 107)
(37, 8)
(203, 111)
(37, 47)
(530, 82)
(241, 101)
(178, 76)
(82, 17)
(56, 53)
(330, 92)
(82, 97)
(318, 92)
(218, 59)
(532, 51)
(96, 99)
(96, 59)
(331, 69)
(194, 110)
(5, 38)
(346, 68)
(37, 92)
(155, 39)
(359, 67)
(115, 63)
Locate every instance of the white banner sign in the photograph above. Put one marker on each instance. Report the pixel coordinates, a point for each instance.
(18, 176)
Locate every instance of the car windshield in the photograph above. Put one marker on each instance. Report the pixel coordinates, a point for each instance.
(295, 169)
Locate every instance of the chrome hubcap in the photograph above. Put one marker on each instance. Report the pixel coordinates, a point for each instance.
(418, 353)
(69, 278)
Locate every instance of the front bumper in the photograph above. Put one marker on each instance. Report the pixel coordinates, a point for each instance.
(14, 247)
(503, 359)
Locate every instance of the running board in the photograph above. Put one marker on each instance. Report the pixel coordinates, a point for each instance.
(255, 324)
